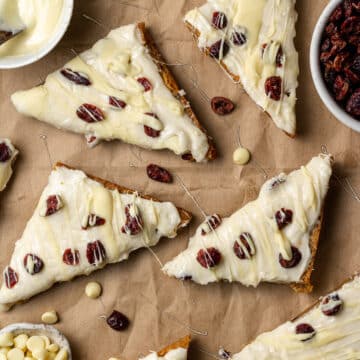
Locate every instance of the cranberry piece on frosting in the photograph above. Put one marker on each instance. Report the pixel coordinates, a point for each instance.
(53, 204)
(115, 102)
(90, 113)
(238, 38)
(5, 152)
(331, 305)
(75, 77)
(145, 82)
(219, 49)
(209, 257)
(95, 252)
(33, 264)
(71, 257)
(94, 220)
(211, 223)
(283, 217)
(134, 223)
(306, 331)
(219, 20)
(245, 249)
(11, 277)
(273, 86)
(294, 261)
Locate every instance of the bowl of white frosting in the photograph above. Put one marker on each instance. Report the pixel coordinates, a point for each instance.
(39, 25)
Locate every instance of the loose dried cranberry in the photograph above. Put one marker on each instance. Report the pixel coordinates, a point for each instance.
(71, 257)
(273, 87)
(283, 217)
(348, 8)
(95, 252)
(149, 131)
(5, 152)
(305, 329)
(238, 38)
(245, 249)
(219, 49)
(211, 223)
(325, 45)
(279, 57)
(331, 28)
(209, 257)
(339, 61)
(222, 106)
(158, 173)
(337, 14)
(353, 104)
(187, 157)
(134, 223)
(76, 77)
(118, 321)
(145, 83)
(53, 204)
(294, 261)
(219, 20)
(115, 102)
(341, 88)
(11, 277)
(90, 113)
(351, 25)
(94, 220)
(33, 264)
(331, 305)
(329, 76)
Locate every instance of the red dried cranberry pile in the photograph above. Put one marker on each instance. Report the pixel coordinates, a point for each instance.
(340, 56)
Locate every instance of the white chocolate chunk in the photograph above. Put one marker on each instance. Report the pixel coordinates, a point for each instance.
(93, 290)
(6, 339)
(50, 317)
(35, 343)
(54, 348)
(46, 340)
(20, 341)
(15, 354)
(40, 354)
(241, 156)
(62, 355)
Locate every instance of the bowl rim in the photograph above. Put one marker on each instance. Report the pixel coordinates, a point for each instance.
(316, 73)
(13, 62)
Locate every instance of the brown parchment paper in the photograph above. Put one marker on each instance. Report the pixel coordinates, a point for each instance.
(162, 309)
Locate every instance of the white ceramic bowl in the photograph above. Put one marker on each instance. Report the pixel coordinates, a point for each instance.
(12, 62)
(39, 329)
(317, 75)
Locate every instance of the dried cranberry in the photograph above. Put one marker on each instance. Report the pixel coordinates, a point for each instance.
(158, 173)
(149, 131)
(325, 45)
(273, 87)
(118, 321)
(294, 261)
(279, 57)
(145, 83)
(276, 183)
(353, 104)
(331, 305)
(219, 20)
(187, 157)
(348, 8)
(11, 277)
(209, 257)
(351, 25)
(95, 252)
(219, 49)
(94, 220)
(71, 257)
(115, 102)
(222, 106)
(76, 77)
(339, 61)
(211, 223)
(33, 264)
(305, 329)
(134, 223)
(331, 29)
(5, 152)
(90, 113)
(283, 217)
(224, 354)
(53, 204)
(329, 76)
(341, 88)
(238, 38)
(246, 248)
(337, 14)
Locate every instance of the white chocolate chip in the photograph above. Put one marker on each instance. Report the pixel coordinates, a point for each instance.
(15, 354)
(3, 356)
(20, 341)
(241, 156)
(62, 355)
(35, 343)
(6, 339)
(50, 317)
(40, 354)
(53, 348)
(93, 290)
(46, 340)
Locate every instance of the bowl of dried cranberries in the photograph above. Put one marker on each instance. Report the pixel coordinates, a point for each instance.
(335, 60)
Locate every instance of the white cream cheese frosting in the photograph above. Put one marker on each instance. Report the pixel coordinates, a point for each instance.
(37, 20)
(175, 354)
(265, 36)
(114, 69)
(91, 227)
(335, 337)
(8, 154)
(267, 239)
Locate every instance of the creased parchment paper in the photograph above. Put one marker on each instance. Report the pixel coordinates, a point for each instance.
(162, 309)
